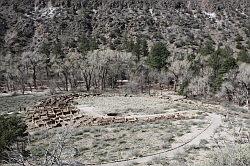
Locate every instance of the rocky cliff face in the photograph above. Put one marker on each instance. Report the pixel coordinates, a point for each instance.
(182, 24)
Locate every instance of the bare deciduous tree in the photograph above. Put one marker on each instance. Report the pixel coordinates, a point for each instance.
(243, 78)
(179, 71)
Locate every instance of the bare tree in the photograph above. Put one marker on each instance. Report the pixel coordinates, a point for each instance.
(32, 60)
(199, 85)
(179, 71)
(243, 78)
(102, 67)
(227, 90)
(237, 87)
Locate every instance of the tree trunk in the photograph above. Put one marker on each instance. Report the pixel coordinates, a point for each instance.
(73, 81)
(65, 74)
(149, 86)
(47, 72)
(247, 87)
(34, 77)
(248, 97)
(149, 89)
(13, 87)
(88, 78)
(142, 83)
(8, 84)
(23, 87)
(30, 86)
(103, 79)
(175, 79)
(141, 88)
(87, 82)
(161, 88)
(175, 84)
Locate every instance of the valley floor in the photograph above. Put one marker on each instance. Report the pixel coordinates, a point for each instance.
(197, 130)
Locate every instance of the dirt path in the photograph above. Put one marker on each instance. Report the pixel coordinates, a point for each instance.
(207, 133)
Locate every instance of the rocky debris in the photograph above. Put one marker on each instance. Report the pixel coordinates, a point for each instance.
(107, 120)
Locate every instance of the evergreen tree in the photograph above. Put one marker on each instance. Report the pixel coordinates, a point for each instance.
(12, 128)
(130, 45)
(45, 48)
(222, 62)
(158, 56)
(248, 44)
(144, 46)
(93, 44)
(87, 44)
(58, 50)
(208, 48)
(244, 56)
(137, 50)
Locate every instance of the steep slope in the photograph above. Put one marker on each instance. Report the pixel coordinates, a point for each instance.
(181, 24)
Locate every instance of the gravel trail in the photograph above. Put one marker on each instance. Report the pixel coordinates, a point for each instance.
(207, 133)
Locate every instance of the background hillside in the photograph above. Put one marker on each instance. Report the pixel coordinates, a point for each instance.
(183, 24)
(208, 39)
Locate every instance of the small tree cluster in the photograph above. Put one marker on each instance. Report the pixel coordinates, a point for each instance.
(139, 48)
(221, 61)
(13, 132)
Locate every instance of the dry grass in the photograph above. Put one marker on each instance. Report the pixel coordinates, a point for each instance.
(115, 142)
(237, 155)
(13, 103)
(135, 105)
(97, 144)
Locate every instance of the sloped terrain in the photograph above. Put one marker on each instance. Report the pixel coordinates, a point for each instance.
(164, 141)
(183, 25)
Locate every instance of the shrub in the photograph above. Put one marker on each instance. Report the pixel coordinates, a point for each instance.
(244, 56)
(191, 57)
(222, 62)
(248, 44)
(12, 129)
(238, 156)
(208, 48)
(239, 46)
(239, 38)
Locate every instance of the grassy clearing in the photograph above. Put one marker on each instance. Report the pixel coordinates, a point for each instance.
(13, 103)
(98, 144)
(135, 105)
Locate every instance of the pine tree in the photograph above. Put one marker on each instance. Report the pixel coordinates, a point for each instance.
(83, 45)
(144, 46)
(208, 48)
(158, 56)
(130, 45)
(58, 50)
(137, 50)
(12, 128)
(222, 62)
(244, 56)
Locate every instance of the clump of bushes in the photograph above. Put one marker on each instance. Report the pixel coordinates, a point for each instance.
(221, 61)
(237, 155)
(244, 56)
(13, 131)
